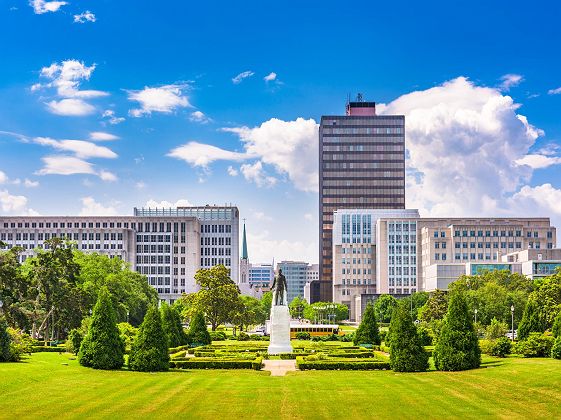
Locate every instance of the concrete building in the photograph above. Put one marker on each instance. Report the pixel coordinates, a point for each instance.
(361, 165)
(296, 273)
(166, 245)
(373, 249)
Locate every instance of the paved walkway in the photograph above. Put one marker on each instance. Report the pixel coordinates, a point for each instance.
(279, 367)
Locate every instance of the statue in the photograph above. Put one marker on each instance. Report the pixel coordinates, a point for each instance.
(280, 318)
(279, 290)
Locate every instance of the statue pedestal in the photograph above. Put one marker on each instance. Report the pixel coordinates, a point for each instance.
(280, 330)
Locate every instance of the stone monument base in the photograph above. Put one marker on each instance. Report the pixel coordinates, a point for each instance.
(280, 330)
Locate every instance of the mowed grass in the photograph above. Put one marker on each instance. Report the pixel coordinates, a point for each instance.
(53, 385)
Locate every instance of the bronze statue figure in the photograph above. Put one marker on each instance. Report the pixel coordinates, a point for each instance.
(279, 289)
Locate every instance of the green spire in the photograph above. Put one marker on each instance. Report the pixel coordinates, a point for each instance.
(244, 245)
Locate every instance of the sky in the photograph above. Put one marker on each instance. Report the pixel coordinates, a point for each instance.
(110, 105)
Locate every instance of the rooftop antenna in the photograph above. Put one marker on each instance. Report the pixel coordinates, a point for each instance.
(359, 97)
(348, 105)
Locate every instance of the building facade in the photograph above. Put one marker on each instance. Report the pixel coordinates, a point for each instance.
(361, 165)
(296, 273)
(373, 249)
(168, 246)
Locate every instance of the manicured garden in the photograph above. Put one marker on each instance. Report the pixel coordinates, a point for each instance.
(51, 384)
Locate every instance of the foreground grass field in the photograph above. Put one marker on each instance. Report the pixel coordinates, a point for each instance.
(49, 384)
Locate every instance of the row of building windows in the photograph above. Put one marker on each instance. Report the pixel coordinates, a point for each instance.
(216, 229)
(365, 130)
(356, 250)
(365, 147)
(402, 282)
(363, 183)
(402, 239)
(356, 261)
(356, 271)
(156, 259)
(400, 291)
(154, 270)
(488, 233)
(358, 282)
(63, 225)
(389, 167)
(153, 249)
(216, 251)
(211, 262)
(91, 236)
(402, 227)
(405, 271)
(216, 241)
(402, 249)
(405, 260)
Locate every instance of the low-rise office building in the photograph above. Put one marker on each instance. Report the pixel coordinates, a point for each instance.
(168, 246)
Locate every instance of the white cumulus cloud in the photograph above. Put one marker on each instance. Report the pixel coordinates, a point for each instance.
(232, 171)
(240, 77)
(164, 99)
(90, 207)
(109, 114)
(42, 6)
(556, 91)
(84, 17)
(199, 117)
(255, 173)
(102, 136)
(82, 149)
(263, 248)
(199, 154)
(538, 161)
(510, 80)
(270, 77)
(70, 107)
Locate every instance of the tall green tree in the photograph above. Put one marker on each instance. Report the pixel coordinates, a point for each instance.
(5, 340)
(326, 312)
(149, 352)
(407, 353)
(556, 329)
(130, 292)
(14, 288)
(102, 347)
(435, 308)
(54, 275)
(171, 323)
(368, 332)
(547, 295)
(384, 307)
(198, 332)
(267, 302)
(457, 347)
(297, 307)
(218, 296)
(531, 321)
(249, 312)
(416, 301)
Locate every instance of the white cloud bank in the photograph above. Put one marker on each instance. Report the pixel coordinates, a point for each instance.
(42, 6)
(90, 207)
(66, 78)
(168, 204)
(164, 99)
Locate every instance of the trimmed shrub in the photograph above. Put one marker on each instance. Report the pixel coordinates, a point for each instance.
(127, 333)
(556, 349)
(255, 364)
(368, 331)
(556, 330)
(149, 352)
(47, 349)
(536, 345)
(102, 347)
(5, 340)
(177, 349)
(486, 346)
(407, 353)
(243, 336)
(74, 341)
(303, 335)
(217, 335)
(171, 324)
(457, 347)
(496, 330)
(531, 321)
(198, 332)
(501, 347)
(20, 343)
(307, 364)
(383, 334)
(425, 335)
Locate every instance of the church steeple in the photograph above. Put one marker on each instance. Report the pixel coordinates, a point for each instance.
(244, 244)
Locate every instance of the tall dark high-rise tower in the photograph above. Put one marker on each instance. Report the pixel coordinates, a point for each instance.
(361, 166)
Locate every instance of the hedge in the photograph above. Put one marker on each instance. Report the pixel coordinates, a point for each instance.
(341, 365)
(255, 364)
(178, 354)
(358, 355)
(47, 349)
(177, 349)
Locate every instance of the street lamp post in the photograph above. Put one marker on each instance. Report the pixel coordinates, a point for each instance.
(512, 322)
(475, 310)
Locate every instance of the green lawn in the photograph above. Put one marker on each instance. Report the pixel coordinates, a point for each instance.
(49, 384)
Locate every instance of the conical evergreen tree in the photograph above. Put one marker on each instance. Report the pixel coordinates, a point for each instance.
(149, 352)
(368, 332)
(531, 321)
(407, 353)
(5, 340)
(102, 347)
(198, 332)
(457, 347)
(171, 323)
(556, 330)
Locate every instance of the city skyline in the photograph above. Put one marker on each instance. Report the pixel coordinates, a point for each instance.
(226, 110)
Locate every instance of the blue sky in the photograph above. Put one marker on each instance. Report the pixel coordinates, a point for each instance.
(156, 84)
